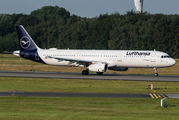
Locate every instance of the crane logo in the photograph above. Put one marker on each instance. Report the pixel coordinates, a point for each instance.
(25, 42)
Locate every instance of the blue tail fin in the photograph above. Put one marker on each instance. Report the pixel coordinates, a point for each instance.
(25, 41)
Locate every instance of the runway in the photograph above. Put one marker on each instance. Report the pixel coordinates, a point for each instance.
(131, 77)
(99, 95)
(102, 95)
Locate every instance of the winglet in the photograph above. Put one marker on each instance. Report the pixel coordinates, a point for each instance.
(25, 41)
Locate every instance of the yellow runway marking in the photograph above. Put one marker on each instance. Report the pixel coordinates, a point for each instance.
(151, 95)
(162, 95)
(155, 95)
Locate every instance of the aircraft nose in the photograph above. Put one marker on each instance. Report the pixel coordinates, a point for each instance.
(173, 62)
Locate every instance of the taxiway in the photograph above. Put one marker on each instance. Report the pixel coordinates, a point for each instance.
(52, 94)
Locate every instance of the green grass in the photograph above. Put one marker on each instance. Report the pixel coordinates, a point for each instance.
(29, 108)
(84, 86)
(39, 108)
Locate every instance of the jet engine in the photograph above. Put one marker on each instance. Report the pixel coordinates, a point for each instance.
(119, 68)
(98, 67)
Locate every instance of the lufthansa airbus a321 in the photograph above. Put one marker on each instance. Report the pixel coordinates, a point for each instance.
(98, 61)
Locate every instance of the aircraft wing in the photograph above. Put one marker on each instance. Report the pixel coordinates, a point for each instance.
(78, 61)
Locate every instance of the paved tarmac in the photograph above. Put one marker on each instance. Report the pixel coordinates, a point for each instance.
(131, 77)
(51, 94)
(99, 95)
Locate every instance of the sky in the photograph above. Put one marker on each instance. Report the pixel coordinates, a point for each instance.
(89, 8)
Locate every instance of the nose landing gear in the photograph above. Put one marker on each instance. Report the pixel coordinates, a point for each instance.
(156, 74)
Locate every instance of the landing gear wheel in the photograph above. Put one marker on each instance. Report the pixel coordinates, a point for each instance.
(99, 73)
(156, 74)
(85, 72)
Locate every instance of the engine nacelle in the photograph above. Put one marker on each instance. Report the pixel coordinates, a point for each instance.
(98, 67)
(119, 68)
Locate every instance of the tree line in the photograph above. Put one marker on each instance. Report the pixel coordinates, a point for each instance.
(52, 26)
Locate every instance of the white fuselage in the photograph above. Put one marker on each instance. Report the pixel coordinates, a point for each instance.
(114, 58)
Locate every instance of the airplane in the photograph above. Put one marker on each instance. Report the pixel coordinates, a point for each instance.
(98, 61)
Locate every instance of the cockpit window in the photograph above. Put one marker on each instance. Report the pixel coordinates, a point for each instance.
(165, 56)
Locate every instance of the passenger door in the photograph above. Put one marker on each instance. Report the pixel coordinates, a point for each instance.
(119, 58)
(153, 57)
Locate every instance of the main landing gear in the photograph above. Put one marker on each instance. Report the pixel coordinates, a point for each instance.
(156, 74)
(85, 72)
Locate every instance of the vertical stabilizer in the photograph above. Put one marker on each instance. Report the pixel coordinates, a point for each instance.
(25, 41)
